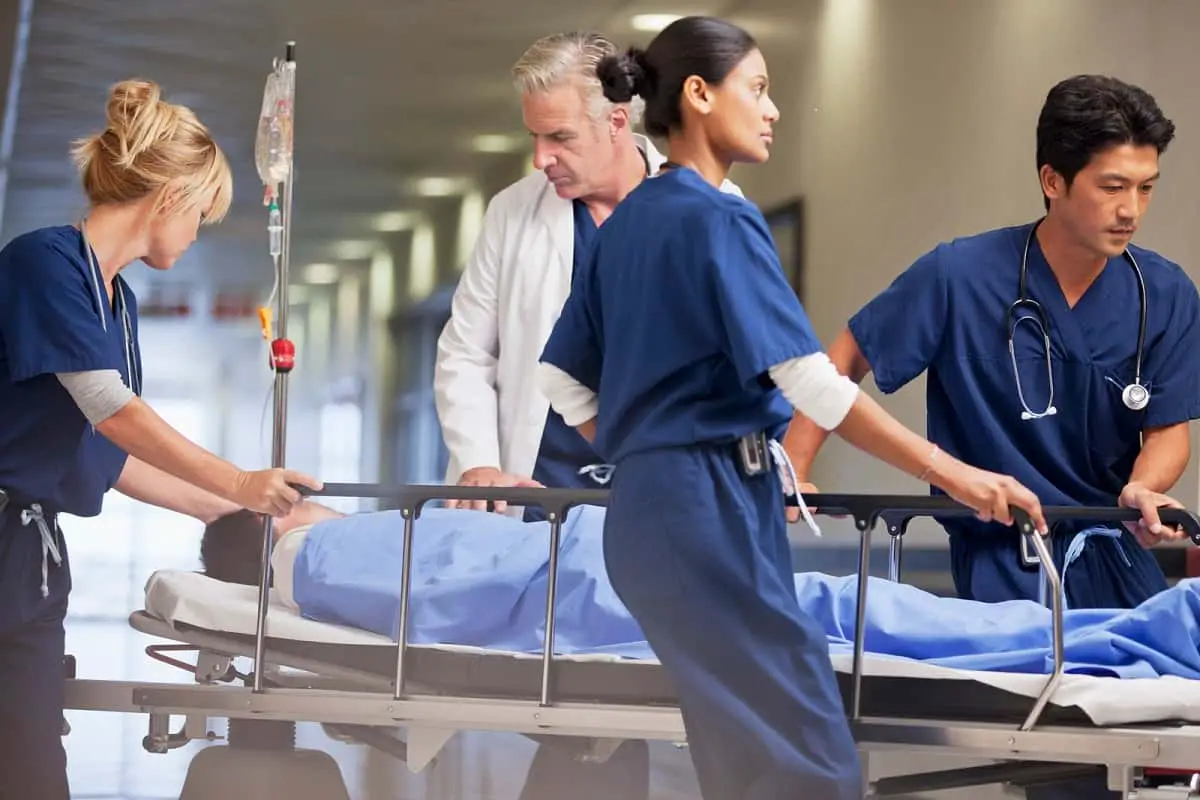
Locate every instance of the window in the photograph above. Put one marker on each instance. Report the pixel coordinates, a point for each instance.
(420, 452)
(113, 554)
(340, 450)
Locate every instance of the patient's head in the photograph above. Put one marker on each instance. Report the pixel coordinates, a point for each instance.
(231, 549)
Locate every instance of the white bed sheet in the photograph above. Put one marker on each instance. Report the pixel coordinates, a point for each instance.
(191, 598)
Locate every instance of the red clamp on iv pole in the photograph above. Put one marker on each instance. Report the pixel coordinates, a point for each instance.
(283, 355)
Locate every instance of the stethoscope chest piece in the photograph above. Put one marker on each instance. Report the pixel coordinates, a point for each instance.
(1135, 397)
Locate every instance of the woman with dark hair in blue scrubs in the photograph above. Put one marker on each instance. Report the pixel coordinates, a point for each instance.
(681, 353)
(72, 425)
(1058, 350)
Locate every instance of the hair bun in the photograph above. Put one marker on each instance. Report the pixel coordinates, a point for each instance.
(625, 76)
(138, 118)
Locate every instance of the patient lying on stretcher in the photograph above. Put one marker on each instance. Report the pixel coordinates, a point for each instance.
(480, 579)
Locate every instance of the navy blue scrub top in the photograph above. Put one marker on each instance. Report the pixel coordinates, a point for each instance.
(563, 453)
(676, 318)
(946, 314)
(50, 322)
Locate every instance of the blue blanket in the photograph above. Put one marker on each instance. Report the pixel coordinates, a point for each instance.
(479, 579)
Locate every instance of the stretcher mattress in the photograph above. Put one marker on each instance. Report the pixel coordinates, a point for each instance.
(892, 687)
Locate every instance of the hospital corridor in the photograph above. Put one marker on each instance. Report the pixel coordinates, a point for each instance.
(425, 400)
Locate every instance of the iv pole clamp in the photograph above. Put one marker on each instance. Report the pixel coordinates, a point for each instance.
(273, 156)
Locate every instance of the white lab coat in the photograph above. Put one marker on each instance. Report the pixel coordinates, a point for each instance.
(510, 294)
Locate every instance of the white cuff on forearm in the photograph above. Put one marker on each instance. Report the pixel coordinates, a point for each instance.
(99, 393)
(573, 401)
(816, 389)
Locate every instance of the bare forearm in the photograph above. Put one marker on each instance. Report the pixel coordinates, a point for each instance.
(151, 485)
(144, 435)
(1164, 457)
(872, 430)
(804, 437)
(588, 430)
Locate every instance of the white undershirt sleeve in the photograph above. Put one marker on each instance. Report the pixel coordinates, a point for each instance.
(99, 393)
(569, 398)
(283, 564)
(816, 389)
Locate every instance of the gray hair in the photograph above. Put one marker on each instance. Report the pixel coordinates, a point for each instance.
(571, 57)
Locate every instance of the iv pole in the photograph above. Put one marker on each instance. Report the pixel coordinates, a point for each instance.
(283, 357)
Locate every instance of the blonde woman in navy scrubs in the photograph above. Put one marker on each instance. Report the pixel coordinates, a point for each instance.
(72, 424)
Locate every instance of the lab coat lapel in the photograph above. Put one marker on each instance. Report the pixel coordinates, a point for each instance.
(559, 216)
(654, 159)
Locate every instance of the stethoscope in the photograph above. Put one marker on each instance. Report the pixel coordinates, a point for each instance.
(1135, 396)
(135, 378)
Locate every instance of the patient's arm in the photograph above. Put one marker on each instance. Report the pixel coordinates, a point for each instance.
(151, 485)
(305, 513)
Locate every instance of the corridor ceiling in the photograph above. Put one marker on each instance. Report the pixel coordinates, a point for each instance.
(387, 93)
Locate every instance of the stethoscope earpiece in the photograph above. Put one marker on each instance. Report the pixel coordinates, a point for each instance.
(1135, 396)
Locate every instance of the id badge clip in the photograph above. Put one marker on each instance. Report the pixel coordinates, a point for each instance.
(1029, 554)
(752, 452)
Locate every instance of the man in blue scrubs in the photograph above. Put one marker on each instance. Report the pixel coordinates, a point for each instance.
(1073, 426)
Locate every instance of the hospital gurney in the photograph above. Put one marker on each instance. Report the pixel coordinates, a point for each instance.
(363, 686)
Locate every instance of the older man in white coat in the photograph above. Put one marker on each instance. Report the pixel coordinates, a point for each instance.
(498, 428)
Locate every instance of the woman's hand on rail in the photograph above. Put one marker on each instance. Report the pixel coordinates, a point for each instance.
(991, 495)
(806, 488)
(793, 512)
(490, 476)
(268, 491)
(1149, 530)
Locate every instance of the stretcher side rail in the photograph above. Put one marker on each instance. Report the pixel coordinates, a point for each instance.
(865, 509)
(896, 522)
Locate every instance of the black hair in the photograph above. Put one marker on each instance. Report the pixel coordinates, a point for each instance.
(232, 547)
(703, 46)
(1087, 114)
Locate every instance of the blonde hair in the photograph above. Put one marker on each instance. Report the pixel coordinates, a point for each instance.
(563, 58)
(150, 147)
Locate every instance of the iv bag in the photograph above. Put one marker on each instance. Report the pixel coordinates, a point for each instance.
(273, 144)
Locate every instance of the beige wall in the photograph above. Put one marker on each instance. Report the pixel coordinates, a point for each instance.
(906, 122)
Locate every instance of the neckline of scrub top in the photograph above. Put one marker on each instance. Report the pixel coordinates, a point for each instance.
(1066, 320)
(118, 305)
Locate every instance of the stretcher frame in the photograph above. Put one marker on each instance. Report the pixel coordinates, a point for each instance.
(350, 700)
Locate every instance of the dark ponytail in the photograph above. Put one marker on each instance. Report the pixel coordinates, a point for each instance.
(625, 76)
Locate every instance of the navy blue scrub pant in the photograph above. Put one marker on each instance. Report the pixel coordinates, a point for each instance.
(698, 553)
(1105, 575)
(33, 763)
